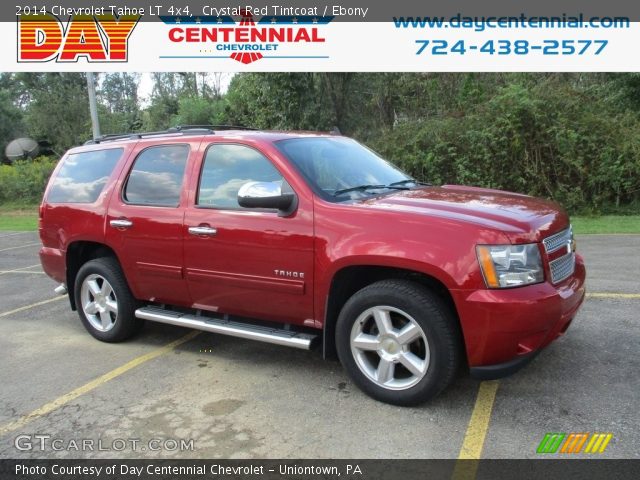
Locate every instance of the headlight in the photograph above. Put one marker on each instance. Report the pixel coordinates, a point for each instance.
(510, 265)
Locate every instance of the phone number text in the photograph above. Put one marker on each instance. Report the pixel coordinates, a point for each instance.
(512, 47)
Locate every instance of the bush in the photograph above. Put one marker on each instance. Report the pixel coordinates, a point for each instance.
(25, 180)
(198, 111)
(553, 141)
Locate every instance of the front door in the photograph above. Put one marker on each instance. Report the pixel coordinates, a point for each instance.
(247, 262)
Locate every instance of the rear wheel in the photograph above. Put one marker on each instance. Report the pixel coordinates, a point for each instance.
(105, 304)
(398, 341)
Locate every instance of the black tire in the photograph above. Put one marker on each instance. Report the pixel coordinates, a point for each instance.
(124, 322)
(442, 352)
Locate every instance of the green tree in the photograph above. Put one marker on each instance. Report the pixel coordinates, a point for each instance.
(11, 119)
(277, 101)
(57, 107)
(199, 111)
(119, 103)
(165, 100)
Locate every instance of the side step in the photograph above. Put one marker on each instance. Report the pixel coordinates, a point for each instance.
(249, 331)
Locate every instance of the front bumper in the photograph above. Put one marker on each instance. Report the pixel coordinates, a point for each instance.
(503, 329)
(500, 370)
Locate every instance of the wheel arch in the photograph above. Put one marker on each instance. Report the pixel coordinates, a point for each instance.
(350, 279)
(77, 254)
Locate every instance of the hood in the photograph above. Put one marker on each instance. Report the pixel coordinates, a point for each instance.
(520, 217)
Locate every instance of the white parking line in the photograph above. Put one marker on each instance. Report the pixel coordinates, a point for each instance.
(3, 272)
(27, 307)
(14, 234)
(20, 270)
(20, 246)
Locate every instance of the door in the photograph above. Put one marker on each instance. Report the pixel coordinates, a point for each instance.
(247, 262)
(144, 223)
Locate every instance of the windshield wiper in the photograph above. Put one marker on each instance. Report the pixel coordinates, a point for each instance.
(362, 188)
(409, 180)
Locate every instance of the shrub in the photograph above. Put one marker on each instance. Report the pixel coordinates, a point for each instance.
(557, 142)
(25, 180)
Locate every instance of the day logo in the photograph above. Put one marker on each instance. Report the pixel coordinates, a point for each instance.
(44, 37)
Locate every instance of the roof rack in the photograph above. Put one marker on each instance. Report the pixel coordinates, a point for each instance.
(179, 130)
(214, 127)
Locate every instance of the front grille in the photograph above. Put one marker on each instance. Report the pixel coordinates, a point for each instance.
(564, 266)
(554, 242)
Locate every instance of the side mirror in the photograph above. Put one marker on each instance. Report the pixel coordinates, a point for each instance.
(274, 195)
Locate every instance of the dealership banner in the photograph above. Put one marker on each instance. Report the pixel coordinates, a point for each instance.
(290, 469)
(323, 36)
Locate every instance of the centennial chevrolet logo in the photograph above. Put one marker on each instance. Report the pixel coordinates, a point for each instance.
(43, 37)
(574, 443)
(247, 41)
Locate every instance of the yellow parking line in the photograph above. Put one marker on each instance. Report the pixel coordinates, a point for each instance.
(479, 422)
(476, 432)
(27, 307)
(613, 295)
(68, 397)
(20, 246)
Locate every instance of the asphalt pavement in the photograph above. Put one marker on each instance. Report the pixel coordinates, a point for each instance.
(220, 397)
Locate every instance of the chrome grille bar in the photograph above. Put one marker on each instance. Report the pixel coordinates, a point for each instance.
(557, 241)
(562, 267)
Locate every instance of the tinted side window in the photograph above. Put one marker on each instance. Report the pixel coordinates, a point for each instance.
(83, 176)
(156, 176)
(228, 167)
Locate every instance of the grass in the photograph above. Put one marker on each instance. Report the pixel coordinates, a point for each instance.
(21, 217)
(606, 224)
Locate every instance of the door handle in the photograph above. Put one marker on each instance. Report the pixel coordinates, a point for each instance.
(121, 223)
(203, 231)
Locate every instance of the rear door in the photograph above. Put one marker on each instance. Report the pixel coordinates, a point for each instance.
(145, 218)
(247, 262)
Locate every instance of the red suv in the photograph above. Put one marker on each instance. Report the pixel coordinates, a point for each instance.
(290, 238)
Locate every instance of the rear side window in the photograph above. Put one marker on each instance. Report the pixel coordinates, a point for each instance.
(156, 176)
(83, 176)
(228, 167)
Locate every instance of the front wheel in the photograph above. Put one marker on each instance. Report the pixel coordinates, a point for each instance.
(105, 304)
(398, 342)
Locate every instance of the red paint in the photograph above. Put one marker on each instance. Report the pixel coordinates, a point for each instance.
(432, 230)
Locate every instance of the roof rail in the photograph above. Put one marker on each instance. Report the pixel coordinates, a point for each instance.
(214, 127)
(179, 130)
(108, 137)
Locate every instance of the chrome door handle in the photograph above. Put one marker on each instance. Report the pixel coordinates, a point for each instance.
(203, 231)
(121, 223)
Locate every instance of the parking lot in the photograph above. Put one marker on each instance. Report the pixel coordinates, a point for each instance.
(241, 399)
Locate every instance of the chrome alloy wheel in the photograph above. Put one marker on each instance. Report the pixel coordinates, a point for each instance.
(390, 347)
(99, 302)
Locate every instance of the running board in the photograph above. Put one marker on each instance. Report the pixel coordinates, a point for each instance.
(277, 336)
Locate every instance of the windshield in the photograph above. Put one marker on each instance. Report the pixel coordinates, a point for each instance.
(341, 169)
